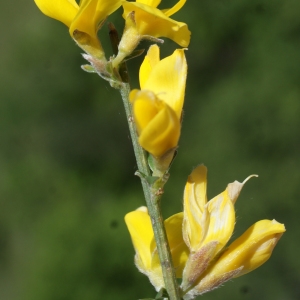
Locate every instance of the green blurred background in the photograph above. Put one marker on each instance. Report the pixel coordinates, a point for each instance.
(66, 162)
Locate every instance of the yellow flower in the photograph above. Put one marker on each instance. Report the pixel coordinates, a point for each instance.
(151, 21)
(208, 226)
(244, 255)
(146, 258)
(205, 220)
(83, 20)
(203, 263)
(145, 21)
(157, 107)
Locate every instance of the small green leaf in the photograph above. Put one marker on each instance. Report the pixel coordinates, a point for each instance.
(151, 163)
(149, 179)
(88, 68)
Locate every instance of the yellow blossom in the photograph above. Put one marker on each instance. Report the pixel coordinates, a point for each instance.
(157, 107)
(205, 220)
(143, 20)
(154, 22)
(146, 258)
(208, 226)
(245, 254)
(204, 263)
(83, 20)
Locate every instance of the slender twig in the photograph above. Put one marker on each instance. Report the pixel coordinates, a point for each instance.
(152, 197)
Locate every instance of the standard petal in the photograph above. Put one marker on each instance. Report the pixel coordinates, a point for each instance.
(221, 220)
(139, 226)
(150, 61)
(195, 199)
(153, 22)
(167, 80)
(91, 13)
(195, 196)
(107, 7)
(61, 10)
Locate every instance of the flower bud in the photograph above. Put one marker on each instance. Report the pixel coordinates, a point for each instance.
(157, 107)
(157, 124)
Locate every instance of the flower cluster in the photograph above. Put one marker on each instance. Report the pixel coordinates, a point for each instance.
(199, 235)
(143, 21)
(198, 239)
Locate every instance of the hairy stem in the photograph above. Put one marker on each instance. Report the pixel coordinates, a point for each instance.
(152, 197)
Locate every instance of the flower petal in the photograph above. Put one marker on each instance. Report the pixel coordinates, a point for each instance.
(221, 220)
(206, 222)
(244, 255)
(195, 200)
(146, 258)
(145, 107)
(235, 188)
(153, 3)
(178, 248)
(139, 226)
(175, 8)
(150, 60)
(153, 22)
(157, 123)
(254, 247)
(61, 10)
(91, 13)
(162, 133)
(167, 80)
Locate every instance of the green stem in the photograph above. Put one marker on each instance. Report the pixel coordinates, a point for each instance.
(152, 196)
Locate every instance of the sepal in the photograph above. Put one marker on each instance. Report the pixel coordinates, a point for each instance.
(129, 41)
(211, 284)
(134, 54)
(89, 44)
(197, 263)
(161, 165)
